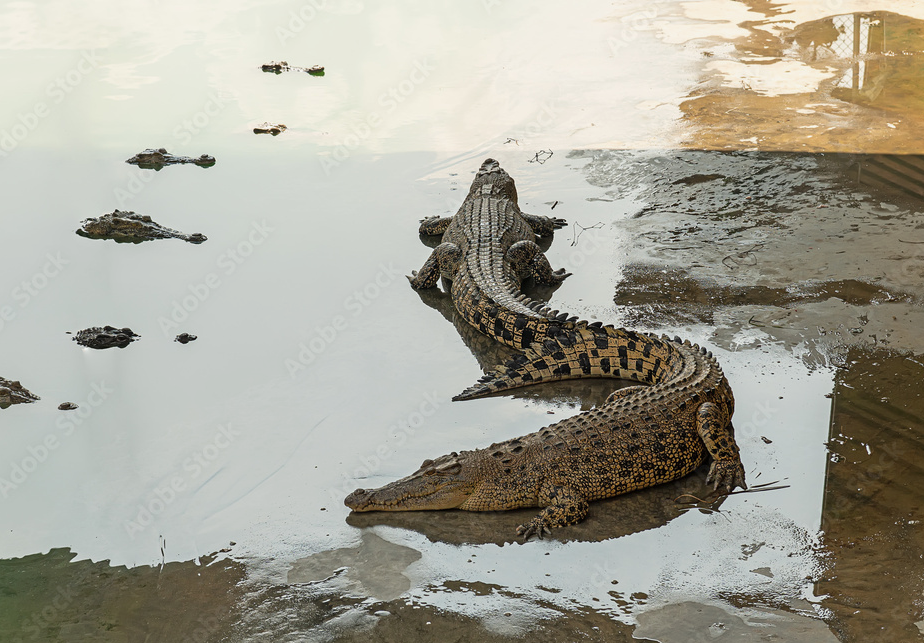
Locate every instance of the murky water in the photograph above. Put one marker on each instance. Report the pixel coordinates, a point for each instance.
(738, 182)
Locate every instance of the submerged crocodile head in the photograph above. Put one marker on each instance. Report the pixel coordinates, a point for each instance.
(443, 483)
(493, 180)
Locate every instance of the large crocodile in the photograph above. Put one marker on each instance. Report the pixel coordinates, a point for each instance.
(642, 435)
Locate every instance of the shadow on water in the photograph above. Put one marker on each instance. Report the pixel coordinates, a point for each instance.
(612, 518)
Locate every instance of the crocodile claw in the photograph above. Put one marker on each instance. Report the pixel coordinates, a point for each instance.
(727, 474)
(532, 528)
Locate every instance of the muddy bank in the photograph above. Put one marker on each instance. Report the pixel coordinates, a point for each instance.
(784, 246)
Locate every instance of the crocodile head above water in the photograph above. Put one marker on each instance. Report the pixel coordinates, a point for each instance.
(492, 178)
(443, 483)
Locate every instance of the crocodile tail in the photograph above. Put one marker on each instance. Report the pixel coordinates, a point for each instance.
(584, 351)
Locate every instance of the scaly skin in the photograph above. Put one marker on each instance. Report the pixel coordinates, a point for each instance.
(128, 227)
(157, 159)
(642, 436)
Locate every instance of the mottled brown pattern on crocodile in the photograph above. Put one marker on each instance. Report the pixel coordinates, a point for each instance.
(642, 436)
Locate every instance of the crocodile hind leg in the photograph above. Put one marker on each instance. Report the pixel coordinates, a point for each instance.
(434, 225)
(564, 506)
(718, 435)
(543, 226)
(443, 261)
(528, 260)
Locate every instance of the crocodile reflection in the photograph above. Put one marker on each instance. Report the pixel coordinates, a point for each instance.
(615, 517)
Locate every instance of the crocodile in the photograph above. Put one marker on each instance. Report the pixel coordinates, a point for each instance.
(270, 128)
(279, 67)
(156, 159)
(12, 392)
(678, 413)
(105, 337)
(128, 227)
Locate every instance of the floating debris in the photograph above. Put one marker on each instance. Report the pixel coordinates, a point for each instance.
(185, 338)
(67, 406)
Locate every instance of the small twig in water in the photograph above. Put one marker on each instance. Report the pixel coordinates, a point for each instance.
(742, 255)
(541, 156)
(575, 235)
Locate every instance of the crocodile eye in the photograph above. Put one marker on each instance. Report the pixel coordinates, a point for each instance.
(450, 469)
(426, 463)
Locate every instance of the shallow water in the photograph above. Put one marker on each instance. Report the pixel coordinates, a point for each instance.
(196, 494)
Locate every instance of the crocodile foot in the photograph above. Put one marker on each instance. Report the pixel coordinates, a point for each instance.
(727, 474)
(534, 527)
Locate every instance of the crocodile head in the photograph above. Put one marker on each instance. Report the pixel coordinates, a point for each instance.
(491, 178)
(444, 483)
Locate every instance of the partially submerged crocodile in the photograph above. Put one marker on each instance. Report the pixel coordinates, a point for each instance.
(105, 337)
(12, 392)
(128, 227)
(157, 159)
(643, 435)
(270, 128)
(279, 67)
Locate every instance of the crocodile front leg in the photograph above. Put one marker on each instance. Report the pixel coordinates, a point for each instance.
(564, 506)
(543, 226)
(443, 261)
(528, 260)
(434, 225)
(718, 435)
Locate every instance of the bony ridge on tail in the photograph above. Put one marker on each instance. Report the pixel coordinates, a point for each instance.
(655, 432)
